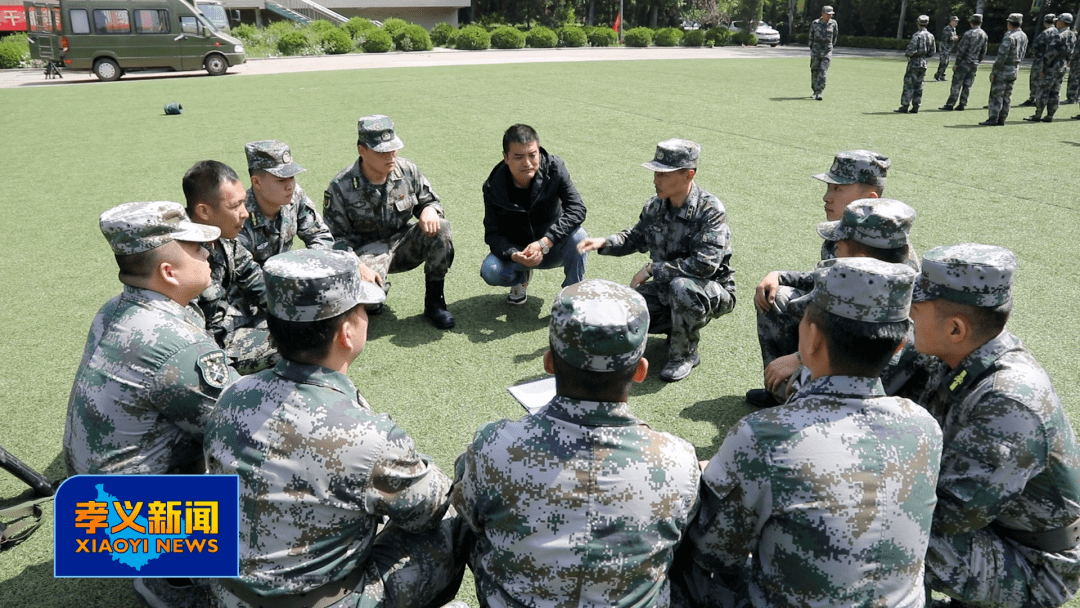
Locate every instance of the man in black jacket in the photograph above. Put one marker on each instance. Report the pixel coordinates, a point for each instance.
(532, 216)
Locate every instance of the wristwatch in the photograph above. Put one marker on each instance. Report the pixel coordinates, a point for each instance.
(543, 248)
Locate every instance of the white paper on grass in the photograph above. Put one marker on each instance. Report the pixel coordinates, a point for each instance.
(535, 394)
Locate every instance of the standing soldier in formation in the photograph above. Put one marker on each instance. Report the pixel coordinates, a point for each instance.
(1058, 50)
(948, 37)
(1073, 90)
(1038, 52)
(919, 50)
(823, 34)
(1006, 67)
(969, 52)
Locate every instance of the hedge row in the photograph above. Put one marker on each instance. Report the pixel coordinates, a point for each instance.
(322, 37)
(14, 52)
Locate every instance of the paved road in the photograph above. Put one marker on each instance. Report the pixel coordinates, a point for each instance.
(441, 56)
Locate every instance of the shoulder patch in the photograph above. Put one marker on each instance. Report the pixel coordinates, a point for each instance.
(214, 368)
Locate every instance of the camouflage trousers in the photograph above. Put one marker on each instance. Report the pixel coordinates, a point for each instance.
(778, 328)
(1049, 94)
(682, 308)
(943, 62)
(913, 86)
(962, 79)
(249, 349)
(404, 570)
(408, 248)
(1073, 90)
(1001, 97)
(819, 71)
(983, 569)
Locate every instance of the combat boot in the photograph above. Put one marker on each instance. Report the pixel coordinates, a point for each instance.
(959, 107)
(1048, 118)
(946, 107)
(901, 110)
(914, 109)
(990, 122)
(1028, 103)
(435, 305)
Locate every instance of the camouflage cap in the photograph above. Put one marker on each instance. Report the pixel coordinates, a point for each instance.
(857, 167)
(827, 10)
(271, 156)
(599, 326)
(954, 18)
(377, 132)
(674, 154)
(1065, 18)
(968, 273)
(975, 18)
(137, 227)
(877, 222)
(1049, 17)
(314, 284)
(923, 20)
(1015, 18)
(863, 289)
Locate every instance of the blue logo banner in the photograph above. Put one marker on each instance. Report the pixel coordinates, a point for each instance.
(130, 526)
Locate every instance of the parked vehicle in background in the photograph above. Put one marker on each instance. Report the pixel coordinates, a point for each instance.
(43, 30)
(112, 37)
(215, 11)
(764, 32)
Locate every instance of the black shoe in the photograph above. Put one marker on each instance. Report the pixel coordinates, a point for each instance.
(1048, 118)
(959, 107)
(901, 110)
(1027, 103)
(914, 110)
(435, 306)
(760, 398)
(1069, 101)
(1077, 117)
(989, 122)
(1034, 119)
(947, 108)
(1000, 122)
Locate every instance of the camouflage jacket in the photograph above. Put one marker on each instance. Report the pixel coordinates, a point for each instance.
(948, 37)
(972, 47)
(265, 238)
(359, 212)
(580, 504)
(148, 380)
(318, 471)
(832, 494)
(804, 281)
(691, 241)
(1058, 49)
(1011, 456)
(236, 296)
(1038, 48)
(1010, 52)
(823, 36)
(920, 48)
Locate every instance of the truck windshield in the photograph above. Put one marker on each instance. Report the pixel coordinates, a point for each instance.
(215, 14)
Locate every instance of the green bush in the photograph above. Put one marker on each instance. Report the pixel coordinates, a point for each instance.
(294, 43)
(359, 28)
(392, 25)
(694, 38)
(472, 38)
(744, 38)
(276, 30)
(603, 36)
(336, 42)
(668, 36)
(507, 37)
(246, 32)
(638, 36)
(443, 34)
(321, 26)
(803, 38)
(572, 35)
(412, 37)
(14, 51)
(541, 37)
(718, 36)
(378, 41)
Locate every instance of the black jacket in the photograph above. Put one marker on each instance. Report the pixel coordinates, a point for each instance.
(555, 208)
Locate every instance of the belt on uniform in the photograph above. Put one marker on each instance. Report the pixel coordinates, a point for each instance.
(319, 597)
(1056, 540)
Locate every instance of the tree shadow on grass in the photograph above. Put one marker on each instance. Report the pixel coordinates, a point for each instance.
(37, 581)
(487, 317)
(722, 412)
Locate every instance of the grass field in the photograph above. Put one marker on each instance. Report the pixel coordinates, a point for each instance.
(71, 152)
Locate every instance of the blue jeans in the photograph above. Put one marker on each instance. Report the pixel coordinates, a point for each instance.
(503, 273)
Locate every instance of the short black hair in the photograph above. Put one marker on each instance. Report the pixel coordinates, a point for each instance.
(138, 265)
(202, 181)
(598, 383)
(519, 134)
(986, 321)
(892, 256)
(306, 341)
(857, 348)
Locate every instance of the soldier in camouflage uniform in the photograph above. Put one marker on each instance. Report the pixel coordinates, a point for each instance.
(1058, 49)
(827, 500)
(580, 504)
(690, 280)
(823, 34)
(235, 303)
(150, 373)
(855, 174)
(918, 52)
(1006, 67)
(948, 38)
(969, 52)
(1038, 52)
(1008, 514)
(369, 205)
(277, 206)
(1073, 89)
(319, 470)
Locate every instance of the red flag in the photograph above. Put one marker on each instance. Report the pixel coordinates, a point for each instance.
(618, 22)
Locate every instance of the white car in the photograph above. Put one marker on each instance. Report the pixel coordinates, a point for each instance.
(764, 32)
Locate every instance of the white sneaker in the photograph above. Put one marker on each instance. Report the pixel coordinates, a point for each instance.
(518, 294)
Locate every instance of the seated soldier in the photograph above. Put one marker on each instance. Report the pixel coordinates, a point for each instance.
(235, 303)
(320, 472)
(580, 504)
(854, 175)
(532, 216)
(826, 500)
(1007, 523)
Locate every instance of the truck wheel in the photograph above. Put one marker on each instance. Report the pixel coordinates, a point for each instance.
(215, 65)
(106, 69)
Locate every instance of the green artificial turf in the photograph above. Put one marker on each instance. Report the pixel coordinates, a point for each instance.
(70, 152)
